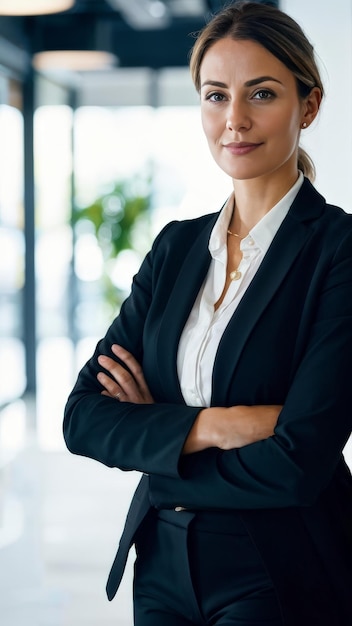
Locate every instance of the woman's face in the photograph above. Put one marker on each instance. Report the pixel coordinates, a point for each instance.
(251, 111)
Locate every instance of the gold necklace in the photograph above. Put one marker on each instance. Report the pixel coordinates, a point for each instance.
(235, 274)
(235, 234)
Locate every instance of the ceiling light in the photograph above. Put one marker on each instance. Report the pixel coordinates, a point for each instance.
(34, 7)
(157, 9)
(73, 60)
(143, 14)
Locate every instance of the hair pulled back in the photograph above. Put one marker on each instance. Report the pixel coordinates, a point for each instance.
(279, 34)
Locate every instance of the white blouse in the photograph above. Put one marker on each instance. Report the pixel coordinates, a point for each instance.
(203, 330)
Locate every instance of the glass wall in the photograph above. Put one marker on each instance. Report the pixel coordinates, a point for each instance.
(12, 358)
(53, 172)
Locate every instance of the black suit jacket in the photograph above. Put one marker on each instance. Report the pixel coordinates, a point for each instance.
(289, 342)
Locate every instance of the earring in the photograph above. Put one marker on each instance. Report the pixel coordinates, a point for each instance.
(304, 125)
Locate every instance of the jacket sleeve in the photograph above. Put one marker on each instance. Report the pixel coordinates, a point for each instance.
(295, 465)
(147, 438)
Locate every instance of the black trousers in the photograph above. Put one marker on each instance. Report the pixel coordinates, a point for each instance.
(201, 570)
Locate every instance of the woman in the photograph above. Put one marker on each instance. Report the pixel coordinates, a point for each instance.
(226, 377)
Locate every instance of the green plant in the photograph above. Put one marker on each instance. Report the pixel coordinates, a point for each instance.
(119, 219)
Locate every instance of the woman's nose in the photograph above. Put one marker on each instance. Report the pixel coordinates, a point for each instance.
(237, 117)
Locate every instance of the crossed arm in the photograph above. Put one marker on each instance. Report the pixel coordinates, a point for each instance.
(291, 468)
(218, 427)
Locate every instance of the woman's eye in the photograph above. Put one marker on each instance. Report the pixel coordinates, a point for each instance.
(215, 97)
(263, 94)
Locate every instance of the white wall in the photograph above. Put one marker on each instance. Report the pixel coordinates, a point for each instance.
(328, 25)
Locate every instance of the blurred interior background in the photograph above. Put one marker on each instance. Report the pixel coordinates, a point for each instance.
(100, 146)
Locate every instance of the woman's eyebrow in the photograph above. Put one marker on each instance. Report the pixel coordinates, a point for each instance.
(214, 83)
(248, 83)
(261, 79)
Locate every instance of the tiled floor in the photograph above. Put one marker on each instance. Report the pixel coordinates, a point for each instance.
(65, 515)
(85, 505)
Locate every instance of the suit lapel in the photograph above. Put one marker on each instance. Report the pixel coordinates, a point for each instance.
(183, 295)
(285, 248)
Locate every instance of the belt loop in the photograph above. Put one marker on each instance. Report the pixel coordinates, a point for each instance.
(178, 516)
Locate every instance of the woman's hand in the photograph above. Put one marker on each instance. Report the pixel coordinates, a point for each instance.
(234, 427)
(124, 385)
(224, 428)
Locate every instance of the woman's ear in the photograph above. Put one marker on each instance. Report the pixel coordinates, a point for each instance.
(311, 106)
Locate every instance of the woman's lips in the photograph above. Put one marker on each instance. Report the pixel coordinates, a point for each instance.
(241, 147)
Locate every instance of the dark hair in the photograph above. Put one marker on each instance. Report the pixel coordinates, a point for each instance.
(279, 34)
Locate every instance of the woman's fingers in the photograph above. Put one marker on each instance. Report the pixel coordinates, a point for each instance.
(132, 364)
(124, 385)
(111, 387)
(116, 396)
(120, 380)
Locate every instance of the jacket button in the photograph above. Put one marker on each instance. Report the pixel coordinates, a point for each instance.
(178, 509)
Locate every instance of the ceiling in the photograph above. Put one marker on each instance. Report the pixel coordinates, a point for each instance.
(140, 33)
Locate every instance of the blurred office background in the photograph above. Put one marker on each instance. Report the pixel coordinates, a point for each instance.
(93, 162)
